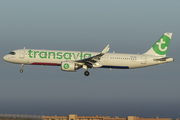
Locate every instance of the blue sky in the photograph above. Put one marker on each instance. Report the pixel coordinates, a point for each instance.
(128, 26)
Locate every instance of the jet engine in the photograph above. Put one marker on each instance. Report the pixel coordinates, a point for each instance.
(69, 66)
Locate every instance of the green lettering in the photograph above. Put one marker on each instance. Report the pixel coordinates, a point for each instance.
(75, 57)
(60, 56)
(35, 53)
(30, 53)
(50, 55)
(81, 56)
(67, 56)
(87, 55)
(44, 54)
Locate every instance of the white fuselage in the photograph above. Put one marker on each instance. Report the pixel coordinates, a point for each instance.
(108, 60)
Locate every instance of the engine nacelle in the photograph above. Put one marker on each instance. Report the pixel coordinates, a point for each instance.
(69, 66)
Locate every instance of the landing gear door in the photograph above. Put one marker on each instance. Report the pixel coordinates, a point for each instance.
(22, 54)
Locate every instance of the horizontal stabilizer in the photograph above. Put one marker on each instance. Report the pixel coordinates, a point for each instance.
(164, 59)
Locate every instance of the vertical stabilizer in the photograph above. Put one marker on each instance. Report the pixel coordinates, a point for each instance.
(161, 46)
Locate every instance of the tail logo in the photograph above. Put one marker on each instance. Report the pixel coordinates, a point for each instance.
(160, 47)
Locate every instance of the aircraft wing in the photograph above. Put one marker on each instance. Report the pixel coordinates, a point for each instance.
(91, 60)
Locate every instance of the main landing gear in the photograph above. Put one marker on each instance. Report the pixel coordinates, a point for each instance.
(21, 70)
(86, 73)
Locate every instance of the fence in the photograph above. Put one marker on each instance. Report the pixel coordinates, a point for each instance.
(38, 117)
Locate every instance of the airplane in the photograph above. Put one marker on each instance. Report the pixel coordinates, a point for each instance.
(74, 60)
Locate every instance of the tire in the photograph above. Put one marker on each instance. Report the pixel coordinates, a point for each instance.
(86, 73)
(21, 70)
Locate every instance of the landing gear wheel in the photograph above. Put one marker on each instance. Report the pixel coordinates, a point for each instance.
(86, 73)
(21, 70)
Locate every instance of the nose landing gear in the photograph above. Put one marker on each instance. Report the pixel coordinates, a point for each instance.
(21, 70)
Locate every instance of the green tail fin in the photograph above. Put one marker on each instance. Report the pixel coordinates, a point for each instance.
(161, 46)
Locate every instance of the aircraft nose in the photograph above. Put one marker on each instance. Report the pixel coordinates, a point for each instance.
(5, 58)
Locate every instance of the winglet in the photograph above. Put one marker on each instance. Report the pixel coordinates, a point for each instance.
(106, 49)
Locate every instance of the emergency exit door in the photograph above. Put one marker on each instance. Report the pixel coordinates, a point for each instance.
(22, 54)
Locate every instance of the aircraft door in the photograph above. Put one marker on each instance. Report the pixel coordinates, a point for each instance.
(106, 58)
(143, 59)
(22, 54)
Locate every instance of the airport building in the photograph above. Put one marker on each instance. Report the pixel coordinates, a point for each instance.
(75, 117)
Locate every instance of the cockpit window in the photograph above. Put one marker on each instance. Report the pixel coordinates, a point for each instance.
(12, 53)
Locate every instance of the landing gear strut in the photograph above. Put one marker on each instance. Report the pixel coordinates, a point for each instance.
(21, 70)
(86, 73)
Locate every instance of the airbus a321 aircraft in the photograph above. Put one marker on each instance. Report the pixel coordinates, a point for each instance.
(74, 60)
